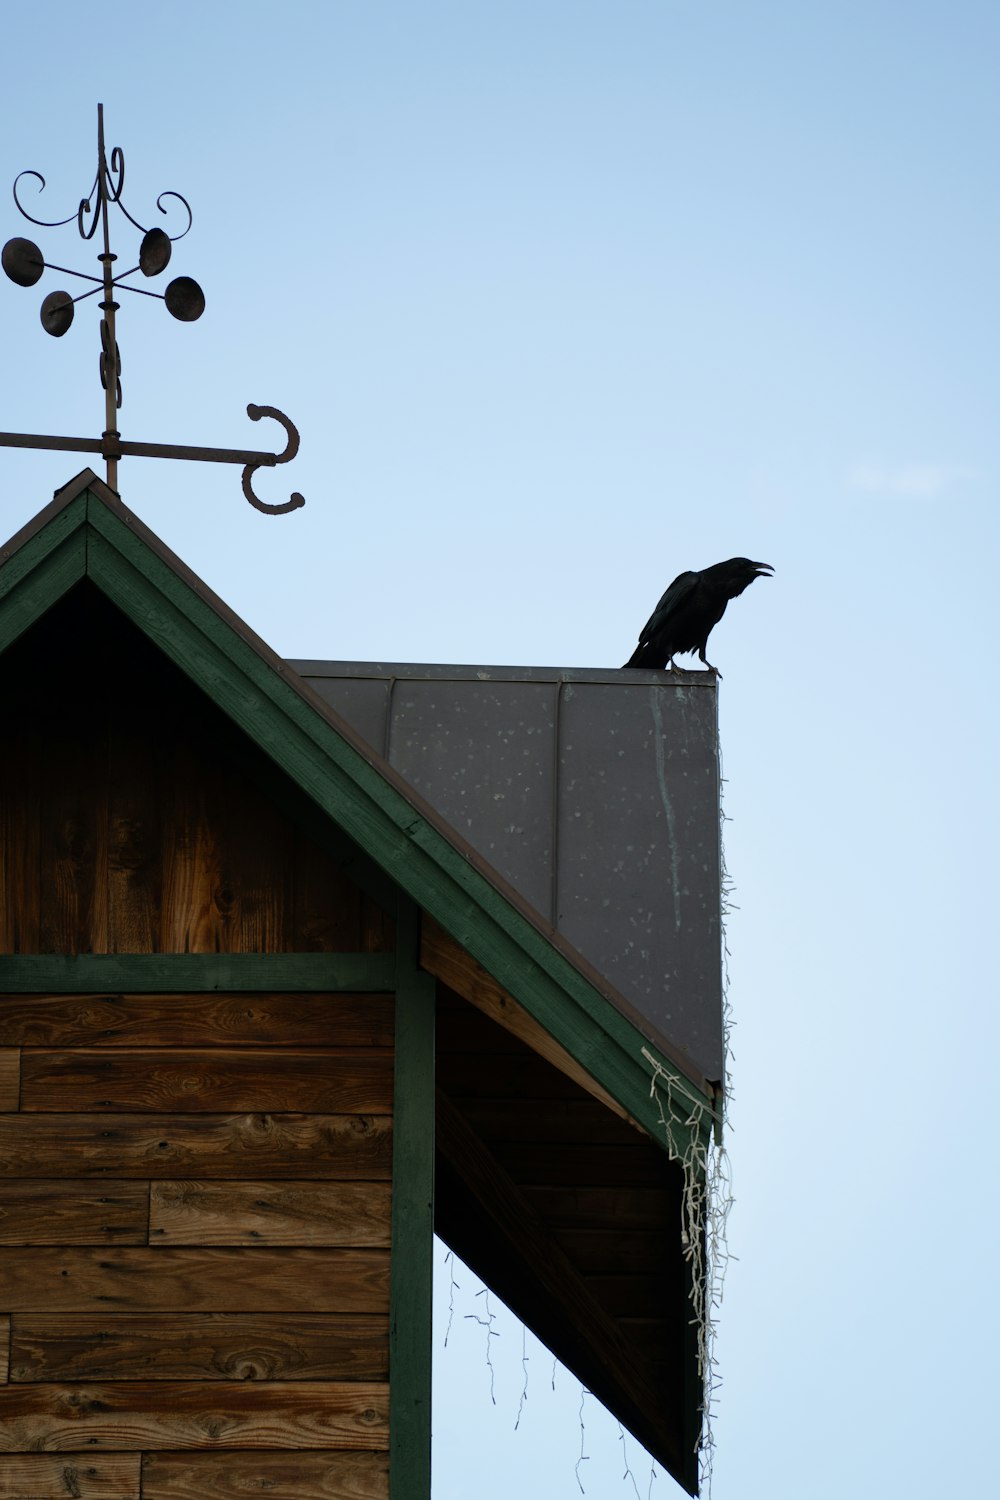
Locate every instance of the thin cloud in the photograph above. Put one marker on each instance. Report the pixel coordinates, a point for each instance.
(909, 481)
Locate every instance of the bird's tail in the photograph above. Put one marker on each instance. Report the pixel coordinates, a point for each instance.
(641, 657)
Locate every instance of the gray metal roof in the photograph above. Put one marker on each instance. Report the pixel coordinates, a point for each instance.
(595, 793)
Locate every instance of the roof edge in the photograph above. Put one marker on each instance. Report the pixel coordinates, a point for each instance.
(416, 846)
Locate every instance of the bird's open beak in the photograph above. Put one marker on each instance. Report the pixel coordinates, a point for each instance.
(764, 570)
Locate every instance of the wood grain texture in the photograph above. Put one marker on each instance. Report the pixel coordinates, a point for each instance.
(228, 1020)
(207, 1079)
(279, 1476)
(134, 821)
(270, 1213)
(10, 1078)
(319, 923)
(4, 1348)
(210, 1146)
(81, 1279)
(140, 1414)
(441, 956)
(46, 1476)
(67, 1212)
(192, 920)
(73, 835)
(378, 926)
(20, 835)
(190, 1346)
(134, 867)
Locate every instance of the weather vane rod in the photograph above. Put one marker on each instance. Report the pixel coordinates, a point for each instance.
(24, 264)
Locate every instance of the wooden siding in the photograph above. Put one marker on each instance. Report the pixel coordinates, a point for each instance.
(195, 1217)
(135, 818)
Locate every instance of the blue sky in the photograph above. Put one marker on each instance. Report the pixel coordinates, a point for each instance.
(565, 298)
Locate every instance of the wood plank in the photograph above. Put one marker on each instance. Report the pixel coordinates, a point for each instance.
(258, 853)
(188, 855)
(270, 1213)
(73, 842)
(280, 1476)
(441, 956)
(4, 1348)
(20, 833)
(209, 1146)
(10, 1077)
(326, 1079)
(207, 1346)
(499, 1076)
(622, 1209)
(658, 1340)
(637, 1164)
(47, 1476)
(225, 850)
(553, 1121)
(325, 906)
(140, 1414)
(68, 1212)
(135, 865)
(639, 1296)
(183, 1020)
(378, 926)
(191, 919)
(349, 861)
(194, 1280)
(606, 1251)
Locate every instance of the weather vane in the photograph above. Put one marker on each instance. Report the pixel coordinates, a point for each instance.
(24, 264)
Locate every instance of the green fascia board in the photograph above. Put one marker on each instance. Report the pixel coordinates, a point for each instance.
(34, 576)
(196, 973)
(255, 689)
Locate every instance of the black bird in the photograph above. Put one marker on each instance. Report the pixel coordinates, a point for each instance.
(692, 605)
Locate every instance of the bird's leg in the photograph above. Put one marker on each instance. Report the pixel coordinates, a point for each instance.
(708, 664)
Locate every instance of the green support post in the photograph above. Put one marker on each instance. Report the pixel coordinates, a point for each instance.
(410, 1317)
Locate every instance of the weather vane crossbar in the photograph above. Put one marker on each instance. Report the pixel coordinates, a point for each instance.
(24, 264)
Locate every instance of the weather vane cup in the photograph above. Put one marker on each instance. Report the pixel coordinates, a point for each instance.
(24, 264)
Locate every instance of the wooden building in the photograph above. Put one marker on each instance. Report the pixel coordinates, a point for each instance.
(265, 1023)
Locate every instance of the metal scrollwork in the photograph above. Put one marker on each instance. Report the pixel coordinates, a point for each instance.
(291, 448)
(181, 199)
(43, 223)
(24, 264)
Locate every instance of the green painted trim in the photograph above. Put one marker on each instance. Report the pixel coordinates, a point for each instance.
(53, 571)
(249, 684)
(196, 973)
(17, 563)
(412, 1271)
